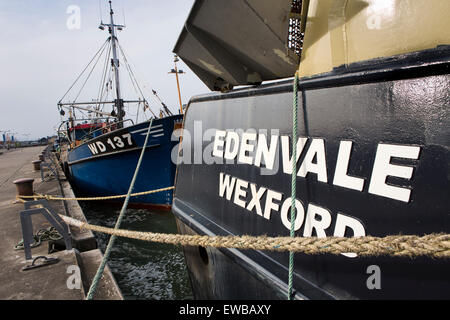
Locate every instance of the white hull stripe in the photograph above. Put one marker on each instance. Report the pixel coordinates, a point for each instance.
(153, 127)
(152, 132)
(153, 135)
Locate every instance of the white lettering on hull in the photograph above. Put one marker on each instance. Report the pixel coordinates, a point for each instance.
(253, 149)
(316, 223)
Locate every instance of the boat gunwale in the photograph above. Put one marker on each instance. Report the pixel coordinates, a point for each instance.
(95, 157)
(435, 61)
(118, 129)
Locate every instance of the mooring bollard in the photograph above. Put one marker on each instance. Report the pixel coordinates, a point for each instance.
(37, 165)
(24, 186)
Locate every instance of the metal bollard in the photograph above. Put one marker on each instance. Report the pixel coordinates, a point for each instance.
(24, 186)
(37, 165)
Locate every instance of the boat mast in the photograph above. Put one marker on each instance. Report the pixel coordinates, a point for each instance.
(176, 71)
(115, 62)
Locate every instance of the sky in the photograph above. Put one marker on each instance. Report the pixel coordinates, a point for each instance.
(45, 46)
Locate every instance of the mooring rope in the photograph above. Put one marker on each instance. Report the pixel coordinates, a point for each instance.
(293, 183)
(436, 245)
(50, 197)
(100, 269)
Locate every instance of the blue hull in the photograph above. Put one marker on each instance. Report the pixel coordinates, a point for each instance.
(105, 165)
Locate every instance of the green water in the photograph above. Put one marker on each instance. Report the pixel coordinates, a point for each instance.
(143, 270)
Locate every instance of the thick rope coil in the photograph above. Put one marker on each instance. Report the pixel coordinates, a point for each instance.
(436, 245)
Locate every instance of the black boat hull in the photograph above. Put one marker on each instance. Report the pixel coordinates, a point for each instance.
(375, 162)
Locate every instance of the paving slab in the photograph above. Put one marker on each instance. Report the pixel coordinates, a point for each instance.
(49, 282)
(52, 281)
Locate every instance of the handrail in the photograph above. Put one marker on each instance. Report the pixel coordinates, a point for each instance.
(67, 121)
(111, 124)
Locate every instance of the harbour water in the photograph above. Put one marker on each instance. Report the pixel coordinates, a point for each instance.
(143, 270)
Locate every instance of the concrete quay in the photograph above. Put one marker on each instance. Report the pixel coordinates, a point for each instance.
(70, 278)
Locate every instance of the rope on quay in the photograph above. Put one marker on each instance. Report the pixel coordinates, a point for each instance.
(50, 197)
(436, 245)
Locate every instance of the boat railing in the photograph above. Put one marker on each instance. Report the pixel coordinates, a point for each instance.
(61, 131)
(104, 129)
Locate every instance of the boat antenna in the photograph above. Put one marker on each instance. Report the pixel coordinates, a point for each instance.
(123, 13)
(115, 62)
(100, 11)
(176, 71)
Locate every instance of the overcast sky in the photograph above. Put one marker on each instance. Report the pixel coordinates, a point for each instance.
(40, 56)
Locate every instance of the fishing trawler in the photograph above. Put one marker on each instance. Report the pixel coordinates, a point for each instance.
(372, 151)
(105, 147)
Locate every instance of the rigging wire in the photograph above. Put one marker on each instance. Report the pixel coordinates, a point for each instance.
(132, 76)
(132, 80)
(166, 109)
(103, 81)
(107, 44)
(126, 61)
(101, 48)
(82, 87)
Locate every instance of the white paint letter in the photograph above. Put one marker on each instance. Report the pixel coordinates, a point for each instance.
(317, 150)
(262, 149)
(256, 197)
(342, 222)
(128, 137)
(225, 184)
(247, 147)
(286, 214)
(239, 192)
(319, 225)
(119, 142)
(270, 205)
(101, 146)
(218, 143)
(230, 154)
(340, 175)
(93, 148)
(287, 163)
(383, 168)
